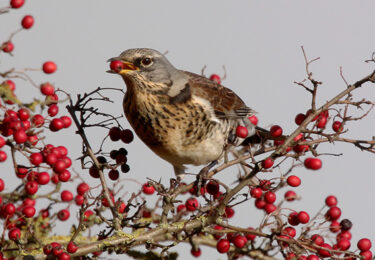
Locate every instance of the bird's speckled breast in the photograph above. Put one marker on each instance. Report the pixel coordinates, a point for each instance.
(179, 133)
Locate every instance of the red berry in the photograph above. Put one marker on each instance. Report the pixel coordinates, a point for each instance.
(293, 219)
(181, 207)
(364, 244)
(194, 190)
(8, 47)
(239, 241)
(56, 125)
(66, 120)
(337, 126)
(300, 118)
(63, 214)
(303, 217)
(14, 234)
(66, 195)
(249, 236)
(51, 159)
(324, 253)
(267, 163)
(293, 181)
(9, 209)
(28, 211)
(79, 200)
(229, 212)
(270, 197)
(334, 227)
(3, 156)
(312, 257)
(27, 22)
(147, 213)
(2, 185)
(290, 231)
(290, 195)
(2, 142)
(62, 150)
(317, 239)
(52, 99)
(269, 208)
(88, 214)
(16, 3)
(71, 247)
(115, 134)
(276, 131)
(121, 207)
(63, 256)
(309, 112)
(82, 188)
(53, 110)
(313, 163)
(223, 246)
(331, 201)
(366, 254)
(127, 136)
(256, 193)
(333, 213)
(322, 121)
(59, 166)
(49, 67)
(301, 148)
(260, 203)
(36, 158)
(293, 256)
(212, 187)
(47, 89)
(216, 78)
(31, 187)
(241, 131)
(23, 114)
(196, 253)
(298, 137)
(20, 136)
(11, 84)
(105, 202)
(253, 119)
(148, 189)
(117, 66)
(64, 176)
(343, 244)
(38, 120)
(192, 204)
(43, 178)
(47, 249)
(265, 184)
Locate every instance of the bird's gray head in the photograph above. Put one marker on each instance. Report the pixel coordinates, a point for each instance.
(149, 63)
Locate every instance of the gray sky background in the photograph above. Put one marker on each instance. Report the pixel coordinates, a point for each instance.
(259, 44)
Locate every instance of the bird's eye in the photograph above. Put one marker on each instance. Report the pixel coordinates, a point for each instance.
(146, 61)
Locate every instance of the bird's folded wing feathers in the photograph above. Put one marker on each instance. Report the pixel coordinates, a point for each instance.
(226, 104)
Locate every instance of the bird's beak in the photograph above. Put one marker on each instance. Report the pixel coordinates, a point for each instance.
(127, 66)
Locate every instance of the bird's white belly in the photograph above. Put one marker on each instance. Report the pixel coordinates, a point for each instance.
(199, 153)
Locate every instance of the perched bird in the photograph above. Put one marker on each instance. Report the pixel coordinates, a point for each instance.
(183, 117)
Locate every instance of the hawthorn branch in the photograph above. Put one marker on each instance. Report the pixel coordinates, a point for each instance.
(71, 109)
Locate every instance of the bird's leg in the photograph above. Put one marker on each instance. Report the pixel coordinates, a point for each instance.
(179, 171)
(202, 175)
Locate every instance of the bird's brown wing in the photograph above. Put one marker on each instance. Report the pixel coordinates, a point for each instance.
(226, 104)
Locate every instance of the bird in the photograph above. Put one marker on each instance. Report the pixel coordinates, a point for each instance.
(183, 117)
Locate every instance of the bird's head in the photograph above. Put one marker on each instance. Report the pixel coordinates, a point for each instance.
(149, 63)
